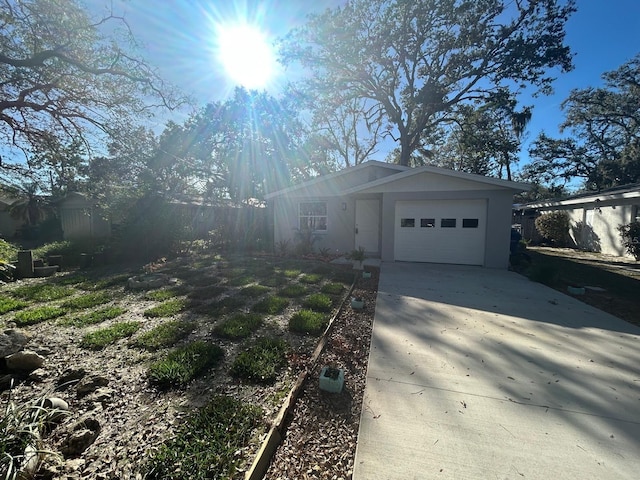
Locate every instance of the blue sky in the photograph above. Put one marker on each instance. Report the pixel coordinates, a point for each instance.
(179, 38)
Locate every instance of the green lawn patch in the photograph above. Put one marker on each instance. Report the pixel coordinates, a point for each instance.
(106, 336)
(254, 291)
(271, 305)
(184, 364)
(92, 318)
(240, 281)
(221, 307)
(38, 315)
(308, 321)
(291, 272)
(164, 335)
(332, 288)
(43, 292)
(164, 294)
(87, 301)
(311, 278)
(11, 304)
(206, 445)
(207, 293)
(102, 283)
(262, 362)
(239, 326)
(166, 309)
(293, 290)
(274, 281)
(318, 302)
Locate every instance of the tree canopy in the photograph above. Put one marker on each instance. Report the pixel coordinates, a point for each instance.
(603, 145)
(68, 76)
(413, 63)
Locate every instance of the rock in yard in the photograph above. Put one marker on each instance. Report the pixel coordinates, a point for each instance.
(24, 361)
(83, 434)
(102, 395)
(91, 383)
(39, 375)
(71, 376)
(12, 341)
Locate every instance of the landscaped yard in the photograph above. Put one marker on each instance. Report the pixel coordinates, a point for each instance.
(183, 379)
(617, 280)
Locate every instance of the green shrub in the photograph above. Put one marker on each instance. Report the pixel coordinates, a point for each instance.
(318, 302)
(261, 362)
(308, 321)
(630, 234)
(184, 364)
(8, 251)
(92, 318)
(42, 292)
(101, 338)
(292, 291)
(11, 304)
(164, 335)
(222, 428)
(166, 309)
(254, 291)
(554, 226)
(291, 273)
(38, 315)
(239, 326)
(271, 305)
(87, 301)
(332, 288)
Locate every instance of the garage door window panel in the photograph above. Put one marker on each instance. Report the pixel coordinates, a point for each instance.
(448, 223)
(313, 216)
(407, 222)
(427, 223)
(470, 223)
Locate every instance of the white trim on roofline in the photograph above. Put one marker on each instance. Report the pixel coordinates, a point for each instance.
(329, 176)
(498, 182)
(606, 197)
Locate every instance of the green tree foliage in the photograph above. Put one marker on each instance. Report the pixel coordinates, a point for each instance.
(484, 140)
(630, 234)
(603, 145)
(413, 62)
(554, 226)
(66, 75)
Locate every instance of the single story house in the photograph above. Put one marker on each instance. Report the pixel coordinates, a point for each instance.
(424, 214)
(594, 217)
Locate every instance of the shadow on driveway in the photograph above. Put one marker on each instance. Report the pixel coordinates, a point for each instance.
(478, 373)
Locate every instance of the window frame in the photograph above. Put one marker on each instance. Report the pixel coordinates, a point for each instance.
(313, 219)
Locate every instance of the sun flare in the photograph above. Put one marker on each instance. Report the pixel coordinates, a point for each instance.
(246, 55)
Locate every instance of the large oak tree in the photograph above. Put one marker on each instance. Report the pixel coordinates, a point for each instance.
(415, 61)
(64, 74)
(603, 145)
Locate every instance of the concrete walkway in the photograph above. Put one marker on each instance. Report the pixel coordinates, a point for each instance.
(481, 374)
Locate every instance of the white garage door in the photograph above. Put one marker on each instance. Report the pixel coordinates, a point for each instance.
(441, 231)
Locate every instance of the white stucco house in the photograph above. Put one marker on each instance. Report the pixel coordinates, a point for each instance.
(594, 217)
(424, 214)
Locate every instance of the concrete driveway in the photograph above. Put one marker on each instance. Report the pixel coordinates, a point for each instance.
(482, 374)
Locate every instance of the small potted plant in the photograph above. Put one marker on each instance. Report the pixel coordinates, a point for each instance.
(331, 379)
(357, 256)
(357, 303)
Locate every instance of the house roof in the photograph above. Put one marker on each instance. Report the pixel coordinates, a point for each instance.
(400, 172)
(330, 176)
(497, 182)
(610, 195)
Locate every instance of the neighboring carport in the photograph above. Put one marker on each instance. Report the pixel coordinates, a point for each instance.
(479, 374)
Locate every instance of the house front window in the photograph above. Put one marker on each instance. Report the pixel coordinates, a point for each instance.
(313, 216)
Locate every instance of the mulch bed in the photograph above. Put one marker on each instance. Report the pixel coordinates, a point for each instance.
(322, 430)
